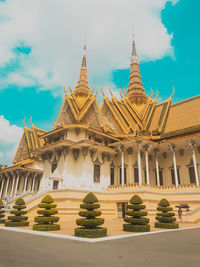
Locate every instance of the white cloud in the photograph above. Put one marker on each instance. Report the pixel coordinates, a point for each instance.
(55, 30)
(10, 136)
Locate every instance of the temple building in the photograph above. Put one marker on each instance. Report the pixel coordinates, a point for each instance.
(132, 144)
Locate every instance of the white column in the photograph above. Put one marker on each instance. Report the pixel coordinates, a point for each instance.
(195, 167)
(175, 169)
(33, 184)
(139, 167)
(6, 190)
(122, 167)
(17, 183)
(2, 184)
(191, 143)
(147, 167)
(13, 182)
(157, 172)
(25, 182)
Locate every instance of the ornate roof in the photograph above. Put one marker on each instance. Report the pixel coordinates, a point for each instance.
(28, 144)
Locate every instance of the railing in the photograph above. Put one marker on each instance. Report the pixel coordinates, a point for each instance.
(132, 186)
(18, 196)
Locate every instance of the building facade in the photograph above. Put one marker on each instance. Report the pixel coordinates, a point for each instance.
(134, 142)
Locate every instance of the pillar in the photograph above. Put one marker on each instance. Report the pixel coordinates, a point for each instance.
(174, 163)
(147, 166)
(2, 185)
(25, 182)
(17, 183)
(13, 182)
(191, 143)
(122, 165)
(139, 166)
(157, 171)
(33, 184)
(6, 189)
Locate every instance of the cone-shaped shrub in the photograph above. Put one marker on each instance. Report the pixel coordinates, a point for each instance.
(135, 221)
(18, 219)
(90, 225)
(46, 221)
(165, 217)
(2, 212)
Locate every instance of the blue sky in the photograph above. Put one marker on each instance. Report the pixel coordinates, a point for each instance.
(38, 92)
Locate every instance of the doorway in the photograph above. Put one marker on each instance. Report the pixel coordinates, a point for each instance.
(122, 208)
(55, 185)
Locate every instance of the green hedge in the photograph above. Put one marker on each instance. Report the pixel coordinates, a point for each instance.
(18, 212)
(2, 212)
(90, 224)
(166, 218)
(166, 225)
(90, 214)
(43, 220)
(16, 224)
(136, 214)
(135, 222)
(46, 227)
(47, 220)
(46, 205)
(90, 206)
(91, 233)
(136, 228)
(47, 212)
(18, 220)
(136, 207)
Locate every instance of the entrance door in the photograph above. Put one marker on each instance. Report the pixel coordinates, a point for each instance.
(55, 185)
(122, 207)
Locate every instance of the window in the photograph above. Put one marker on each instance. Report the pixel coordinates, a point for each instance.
(160, 176)
(96, 173)
(112, 176)
(192, 175)
(136, 175)
(173, 176)
(120, 176)
(55, 185)
(54, 166)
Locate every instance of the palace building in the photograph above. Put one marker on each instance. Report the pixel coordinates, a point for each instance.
(124, 146)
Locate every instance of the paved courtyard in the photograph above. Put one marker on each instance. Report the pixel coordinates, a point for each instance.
(178, 248)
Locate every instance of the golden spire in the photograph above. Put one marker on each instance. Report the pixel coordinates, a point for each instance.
(136, 93)
(82, 88)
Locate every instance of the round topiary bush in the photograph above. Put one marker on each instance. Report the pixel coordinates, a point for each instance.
(18, 219)
(135, 221)
(46, 221)
(2, 212)
(90, 225)
(165, 217)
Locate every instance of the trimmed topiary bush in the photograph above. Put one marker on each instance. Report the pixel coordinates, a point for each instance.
(2, 212)
(135, 221)
(18, 219)
(166, 218)
(90, 224)
(46, 221)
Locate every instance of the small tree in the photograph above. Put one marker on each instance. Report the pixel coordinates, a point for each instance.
(18, 219)
(2, 212)
(90, 224)
(165, 218)
(46, 222)
(135, 223)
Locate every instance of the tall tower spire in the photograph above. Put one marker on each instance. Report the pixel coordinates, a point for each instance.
(136, 93)
(82, 88)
